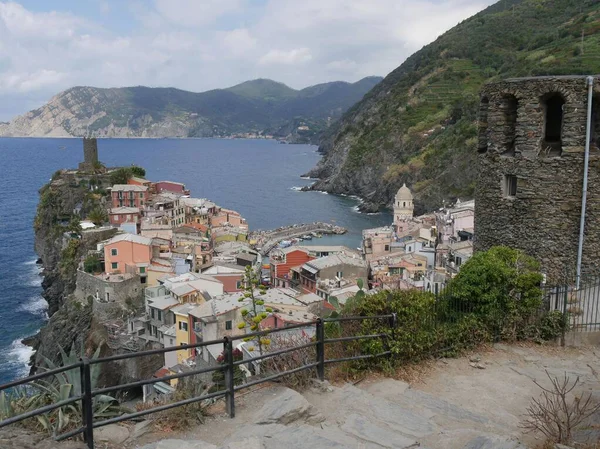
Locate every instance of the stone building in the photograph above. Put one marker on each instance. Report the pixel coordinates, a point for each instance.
(90, 154)
(532, 134)
(403, 205)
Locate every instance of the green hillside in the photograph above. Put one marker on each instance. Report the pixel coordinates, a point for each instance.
(419, 124)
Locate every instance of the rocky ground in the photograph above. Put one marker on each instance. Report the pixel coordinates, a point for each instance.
(473, 402)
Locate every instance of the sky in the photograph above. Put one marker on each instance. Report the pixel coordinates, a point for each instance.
(47, 46)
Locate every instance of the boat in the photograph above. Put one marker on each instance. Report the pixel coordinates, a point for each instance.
(285, 243)
(307, 237)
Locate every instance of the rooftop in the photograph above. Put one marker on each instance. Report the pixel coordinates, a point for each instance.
(326, 248)
(125, 210)
(184, 309)
(383, 231)
(220, 305)
(224, 268)
(129, 238)
(162, 302)
(335, 260)
(128, 188)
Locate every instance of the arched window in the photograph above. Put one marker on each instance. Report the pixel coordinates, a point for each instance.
(483, 125)
(553, 120)
(404, 204)
(509, 106)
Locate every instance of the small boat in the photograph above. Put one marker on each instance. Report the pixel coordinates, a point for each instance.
(285, 244)
(307, 237)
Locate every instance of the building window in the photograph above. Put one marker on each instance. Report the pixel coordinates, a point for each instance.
(143, 280)
(483, 125)
(228, 325)
(114, 252)
(510, 186)
(183, 326)
(387, 247)
(152, 313)
(553, 120)
(404, 204)
(239, 285)
(509, 106)
(154, 331)
(159, 315)
(340, 274)
(171, 342)
(141, 194)
(114, 265)
(142, 270)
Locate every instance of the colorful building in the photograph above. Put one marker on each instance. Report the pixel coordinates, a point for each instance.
(128, 253)
(282, 260)
(182, 330)
(232, 276)
(171, 186)
(125, 195)
(120, 215)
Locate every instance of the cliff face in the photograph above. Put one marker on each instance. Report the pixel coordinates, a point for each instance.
(259, 106)
(76, 321)
(419, 125)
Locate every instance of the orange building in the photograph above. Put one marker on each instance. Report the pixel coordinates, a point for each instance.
(282, 260)
(128, 253)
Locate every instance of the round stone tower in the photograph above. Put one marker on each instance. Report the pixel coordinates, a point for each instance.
(403, 205)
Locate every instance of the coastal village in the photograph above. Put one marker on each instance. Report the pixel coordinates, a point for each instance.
(187, 261)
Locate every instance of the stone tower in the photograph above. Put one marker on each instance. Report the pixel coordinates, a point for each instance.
(90, 154)
(532, 134)
(403, 205)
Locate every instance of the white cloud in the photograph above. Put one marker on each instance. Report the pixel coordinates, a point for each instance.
(204, 44)
(191, 13)
(289, 57)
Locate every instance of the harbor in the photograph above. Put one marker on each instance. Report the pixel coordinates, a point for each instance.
(265, 241)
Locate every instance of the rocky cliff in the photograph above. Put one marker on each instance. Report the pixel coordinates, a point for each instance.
(256, 107)
(419, 124)
(60, 246)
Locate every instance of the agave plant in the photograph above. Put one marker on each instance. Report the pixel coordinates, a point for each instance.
(68, 384)
(59, 387)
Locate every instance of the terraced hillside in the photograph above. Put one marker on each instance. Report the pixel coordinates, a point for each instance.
(419, 124)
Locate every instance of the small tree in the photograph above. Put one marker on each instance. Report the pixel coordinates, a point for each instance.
(137, 171)
(256, 313)
(555, 413)
(92, 264)
(121, 176)
(74, 225)
(98, 216)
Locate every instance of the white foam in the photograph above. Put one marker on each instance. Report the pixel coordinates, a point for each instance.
(30, 262)
(18, 355)
(36, 281)
(296, 188)
(36, 305)
(306, 177)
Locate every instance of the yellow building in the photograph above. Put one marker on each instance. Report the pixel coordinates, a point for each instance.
(183, 331)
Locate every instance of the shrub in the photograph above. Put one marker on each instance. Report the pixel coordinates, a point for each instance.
(121, 176)
(137, 171)
(291, 360)
(92, 264)
(502, 287)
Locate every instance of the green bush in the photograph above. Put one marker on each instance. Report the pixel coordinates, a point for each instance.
(137, 171)
(92, 264)
(121, 176)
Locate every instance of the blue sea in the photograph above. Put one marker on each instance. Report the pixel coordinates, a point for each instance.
(258, 178)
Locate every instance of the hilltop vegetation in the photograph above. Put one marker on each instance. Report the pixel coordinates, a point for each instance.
(255, 107)
(419, 124)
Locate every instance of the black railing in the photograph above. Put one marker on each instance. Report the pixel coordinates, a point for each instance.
(88, 393)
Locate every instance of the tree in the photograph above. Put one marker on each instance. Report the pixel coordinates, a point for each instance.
(137, 171)
(98, 216)
(253, 316)
(501, 285)
(121, 176)
(92, 264)
(74, 225)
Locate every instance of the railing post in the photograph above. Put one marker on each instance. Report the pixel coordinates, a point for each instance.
(393, 325)
(565, 315)
(320, 331)
(87, 411)
(229, 379)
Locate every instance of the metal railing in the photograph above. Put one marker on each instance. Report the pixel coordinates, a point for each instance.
(88, 393)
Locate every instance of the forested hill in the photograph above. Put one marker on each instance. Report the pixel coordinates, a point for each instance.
(419, 124)
(255, 107)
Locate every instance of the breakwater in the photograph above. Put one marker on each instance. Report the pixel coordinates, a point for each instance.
(265, 241)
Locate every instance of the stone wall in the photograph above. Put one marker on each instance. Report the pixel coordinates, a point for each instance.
(89, 285)
(543, 217)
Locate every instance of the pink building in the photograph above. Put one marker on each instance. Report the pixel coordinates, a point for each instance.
(171, 186)
(125, 195)
(226, 216)
(119, 215)
(128, 253)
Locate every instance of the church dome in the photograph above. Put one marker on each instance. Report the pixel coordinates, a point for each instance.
(404, 193)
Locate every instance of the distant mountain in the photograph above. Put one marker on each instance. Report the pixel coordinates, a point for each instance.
(257, 107)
